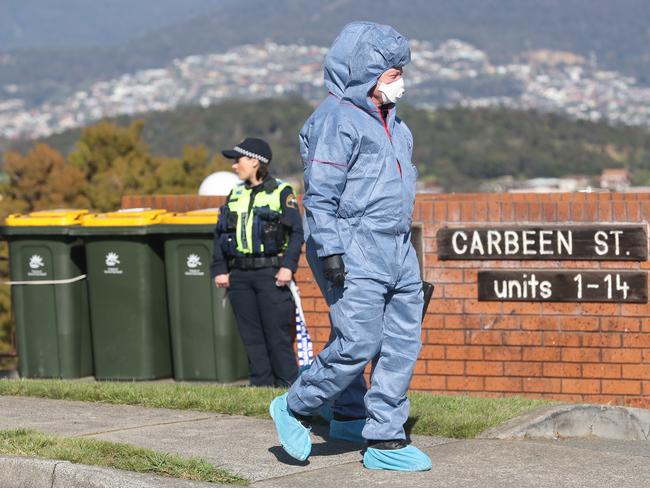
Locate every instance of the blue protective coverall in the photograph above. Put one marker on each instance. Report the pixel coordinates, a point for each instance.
(350, 403)
(359, 196)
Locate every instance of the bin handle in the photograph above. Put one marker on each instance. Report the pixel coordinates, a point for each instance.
(46, 282)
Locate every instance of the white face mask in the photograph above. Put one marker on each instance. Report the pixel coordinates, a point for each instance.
(392, 91)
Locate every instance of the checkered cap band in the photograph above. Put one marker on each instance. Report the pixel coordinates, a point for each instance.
(251, 154)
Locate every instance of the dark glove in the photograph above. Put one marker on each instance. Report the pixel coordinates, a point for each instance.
(334, 269)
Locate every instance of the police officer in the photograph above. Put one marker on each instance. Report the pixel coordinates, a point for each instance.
(256, 249)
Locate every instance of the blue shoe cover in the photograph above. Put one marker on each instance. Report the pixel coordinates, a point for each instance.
(326, 413)
(408, 458)
(348, 430)
(294, 437)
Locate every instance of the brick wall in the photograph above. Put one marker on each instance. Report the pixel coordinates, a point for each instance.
(173, 203)
(593, 352)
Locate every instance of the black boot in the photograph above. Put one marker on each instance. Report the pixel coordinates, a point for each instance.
(387, 445)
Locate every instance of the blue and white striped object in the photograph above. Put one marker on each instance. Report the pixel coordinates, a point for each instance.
(305, 348)
(303, 340)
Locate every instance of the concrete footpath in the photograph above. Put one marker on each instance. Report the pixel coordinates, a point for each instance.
(249, 447)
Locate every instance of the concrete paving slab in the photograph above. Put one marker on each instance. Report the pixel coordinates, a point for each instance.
(491, 464)
(245, 446)
(73, 418)
(628, 448)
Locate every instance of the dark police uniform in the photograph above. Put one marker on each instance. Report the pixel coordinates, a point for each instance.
(260, 230)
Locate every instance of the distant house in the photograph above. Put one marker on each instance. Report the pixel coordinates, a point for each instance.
(567, 183)
(564, 184)
(615, 179)
(429, 187)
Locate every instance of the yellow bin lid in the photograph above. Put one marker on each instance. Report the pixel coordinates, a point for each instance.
(125, 218)
(59, 217)
(195, 217)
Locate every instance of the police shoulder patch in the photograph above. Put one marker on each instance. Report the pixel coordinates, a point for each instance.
(292, 201)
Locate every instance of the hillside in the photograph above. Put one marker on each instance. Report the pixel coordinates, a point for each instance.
(458, 147)
(615, 33)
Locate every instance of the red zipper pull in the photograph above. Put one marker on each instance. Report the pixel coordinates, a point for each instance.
(383, 122)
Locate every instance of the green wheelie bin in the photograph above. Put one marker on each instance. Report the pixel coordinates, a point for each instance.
(205, 339)
(128, 303)
(49, 294)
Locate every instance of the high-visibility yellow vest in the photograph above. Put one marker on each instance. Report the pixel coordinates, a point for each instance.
(240, 203)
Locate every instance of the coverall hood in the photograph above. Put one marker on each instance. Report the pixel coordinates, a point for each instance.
(337, 61)
(377, 49)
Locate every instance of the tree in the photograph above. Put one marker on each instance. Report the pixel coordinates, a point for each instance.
(184, 175)
(114, 162)
(40, 180)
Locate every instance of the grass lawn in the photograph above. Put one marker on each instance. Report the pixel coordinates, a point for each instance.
(447, 416)
(22, 442)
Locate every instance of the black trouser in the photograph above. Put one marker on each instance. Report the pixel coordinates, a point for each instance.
(266, 318)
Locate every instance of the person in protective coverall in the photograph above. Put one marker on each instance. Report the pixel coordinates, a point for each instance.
(359, 197)
(347, 414)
